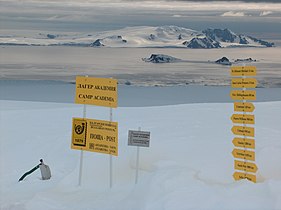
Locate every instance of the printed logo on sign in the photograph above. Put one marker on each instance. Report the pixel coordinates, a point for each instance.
(79, 132)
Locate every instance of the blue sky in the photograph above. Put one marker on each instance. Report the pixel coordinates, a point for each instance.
(262, 19)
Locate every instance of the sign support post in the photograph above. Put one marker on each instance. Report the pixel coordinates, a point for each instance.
(246, 154)
(110, 156)
(139, 139)
(81, 153)
(137, 162)
(90, 134)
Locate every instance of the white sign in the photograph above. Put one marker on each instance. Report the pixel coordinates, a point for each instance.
(139, 138)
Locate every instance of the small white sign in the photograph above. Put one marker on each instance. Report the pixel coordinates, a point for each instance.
(139, 138)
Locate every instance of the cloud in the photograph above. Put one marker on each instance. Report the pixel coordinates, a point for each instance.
(233, 14)
(265, 13)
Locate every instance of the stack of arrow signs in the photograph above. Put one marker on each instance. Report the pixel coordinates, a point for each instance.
(243, 119)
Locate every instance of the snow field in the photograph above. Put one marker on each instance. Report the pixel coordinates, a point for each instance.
(187, 166)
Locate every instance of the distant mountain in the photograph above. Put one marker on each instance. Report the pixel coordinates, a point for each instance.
(202, 42)
(227, 36)
(223, 61)
(143, 36)
(161, 58)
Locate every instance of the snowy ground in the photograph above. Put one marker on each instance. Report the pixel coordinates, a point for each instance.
(187, 166)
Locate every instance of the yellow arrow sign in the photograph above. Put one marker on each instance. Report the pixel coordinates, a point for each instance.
(244, 83)
(242, 142)
(243, 118)
(243, 131)
(243, 107)
(243, 94)
(243, 154)
(243, 71)
(245, 166)
(238, 175)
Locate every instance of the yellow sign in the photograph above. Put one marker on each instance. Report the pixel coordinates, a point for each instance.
(79, 132)
(243, 94)
(96, 91)
(243, 71)
(243, 118)
(243, 107)
(243, 142)
(243, 154)
(243, 131)
(101, 136)
(245, 166)
(239, 175)
(244, 83)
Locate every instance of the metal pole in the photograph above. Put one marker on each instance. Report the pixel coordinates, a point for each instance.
(81, 152)
(110, 156)
(137, 162)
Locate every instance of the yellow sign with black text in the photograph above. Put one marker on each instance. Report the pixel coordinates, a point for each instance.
(244, 107)
(243, 71)
(96, 91)
(243, 95)
(243, 131)
(244, 82)
(101, 136)
(245, 166)
(243, 118)
(244, 154)
(239, 175)
(243, 142)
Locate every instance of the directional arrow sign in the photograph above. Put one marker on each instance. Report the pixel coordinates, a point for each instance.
(243, 131)
(243, 154)
(243, 71)
(243, 94)
(245, 166)
(243, 118)
(244, 83)
(239, 175)
(243, 107)
(242, 142)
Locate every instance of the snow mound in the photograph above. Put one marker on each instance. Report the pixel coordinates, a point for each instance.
(187, 161)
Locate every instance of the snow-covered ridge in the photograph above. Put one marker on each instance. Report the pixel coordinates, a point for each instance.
(142, 36)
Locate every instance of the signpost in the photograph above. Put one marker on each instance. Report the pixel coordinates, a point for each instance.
(243, 142)
(244, 83)
(243, 131)
(140, 139)
(243, 95)
(239, 175)
(243, 118)
(95, 135)
(245, 166)
(243, 154)
(96, 91)
(243, 71)
(244, 107)
(246, 145)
